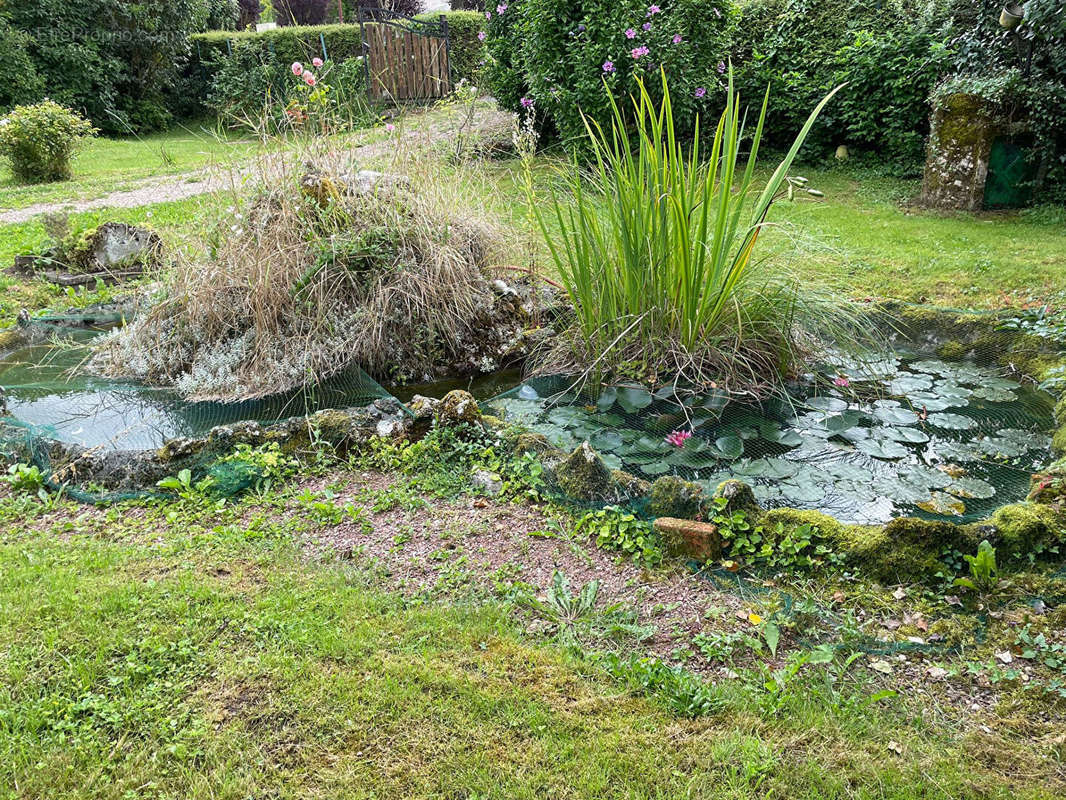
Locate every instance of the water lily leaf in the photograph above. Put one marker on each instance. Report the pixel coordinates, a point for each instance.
(527, 392)
(605, 440)
(972, 488)
(1029, 439)
(952, 422)
(767, 468)
(855, 434)
(959, 452)
(633, 399)
(994, 394)
(656, 468)
(949, 390)
(999, 447)
(944, 505)
(896, 416)
(730, 447)
(801, 492)
(611, 461)
(908, 435)
(931, 366)
(904, 384)
(884, 449)
(830, 404)
(841, 422)
(786, 438)
(930, 401)
(902, 488)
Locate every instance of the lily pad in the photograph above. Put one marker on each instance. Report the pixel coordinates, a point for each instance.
(896, 416)
(605, 440)
(831, 404)
(884, 449)
(633, 399)
(730, 446)
(908, 435)
(972, 488)
(952, 422)
(944, 505)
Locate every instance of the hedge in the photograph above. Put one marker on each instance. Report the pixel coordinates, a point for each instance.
(336, 42)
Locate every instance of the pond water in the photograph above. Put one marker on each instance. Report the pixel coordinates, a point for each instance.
(907, 435)
(48, 391)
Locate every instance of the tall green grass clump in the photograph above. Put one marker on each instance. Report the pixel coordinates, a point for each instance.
(655, 246)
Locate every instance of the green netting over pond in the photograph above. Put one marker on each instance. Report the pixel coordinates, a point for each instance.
(49, 394)
(902, 435)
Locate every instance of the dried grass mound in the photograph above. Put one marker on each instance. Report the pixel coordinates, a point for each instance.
(316, 272)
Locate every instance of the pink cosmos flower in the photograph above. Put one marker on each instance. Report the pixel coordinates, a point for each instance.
(481, 36)
(678, 438)
(309, 78)
(608, 66)
(677, 38)
(841, 381)
(297, 68)
(637, 52)
(317, 62)
(631, 33)
(527, 102)
(701, 92)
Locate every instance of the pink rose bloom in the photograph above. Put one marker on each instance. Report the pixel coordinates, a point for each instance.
(678, 438)
(309, 78)
(297, 68)
(317, 62)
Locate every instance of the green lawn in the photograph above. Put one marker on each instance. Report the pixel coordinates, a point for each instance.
(181, 651)
(104, 165)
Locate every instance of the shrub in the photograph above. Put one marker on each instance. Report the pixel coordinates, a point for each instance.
(122, 67)
(38, 141)
(655, 250)
(567, 50)
(19, 79)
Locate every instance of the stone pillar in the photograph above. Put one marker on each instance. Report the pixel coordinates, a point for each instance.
(963, 127)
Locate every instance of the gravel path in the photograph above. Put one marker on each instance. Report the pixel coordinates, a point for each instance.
(191, 184)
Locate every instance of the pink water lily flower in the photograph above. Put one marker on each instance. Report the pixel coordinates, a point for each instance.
(841, 381)
(318, 62)
(297, 68)
(678, 438)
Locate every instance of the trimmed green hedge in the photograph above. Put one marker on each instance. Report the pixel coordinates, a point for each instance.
(338, 43)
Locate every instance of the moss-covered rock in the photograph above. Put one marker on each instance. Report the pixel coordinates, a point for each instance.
(1023, 528)
(739, 497)
(630, 485)
(671, 496)
(906, 550)
(458, 408)
(584, 476)
(952, 350)
(535, 443)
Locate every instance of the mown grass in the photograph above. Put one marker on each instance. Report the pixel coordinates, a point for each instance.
(178, 650)
(113, 164)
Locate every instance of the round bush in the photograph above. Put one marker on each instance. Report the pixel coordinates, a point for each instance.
(38, 141)
(569, 50)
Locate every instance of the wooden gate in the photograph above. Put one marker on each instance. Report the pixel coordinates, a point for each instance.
(406, 59)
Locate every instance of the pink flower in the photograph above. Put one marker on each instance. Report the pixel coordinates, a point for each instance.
(317, 62)
(637, 52)
(297, 68)
(488, 15)
(481, 36)
(501, 8)
(678, 438)
(309, 78)
(527, 102)
(721, 67)
(390, 127)
(841, 381)
(701, 92)
(646, 26)
(653, 10)
(608, 66)
(677, 38)
(630, 33)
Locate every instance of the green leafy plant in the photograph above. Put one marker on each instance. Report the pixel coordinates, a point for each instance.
(184, 486)
(617, 529)
(39, 141)
(782, 546)
(27, 478)
(655, 249)
(577, 618)
(984, 576)
(681, 691)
